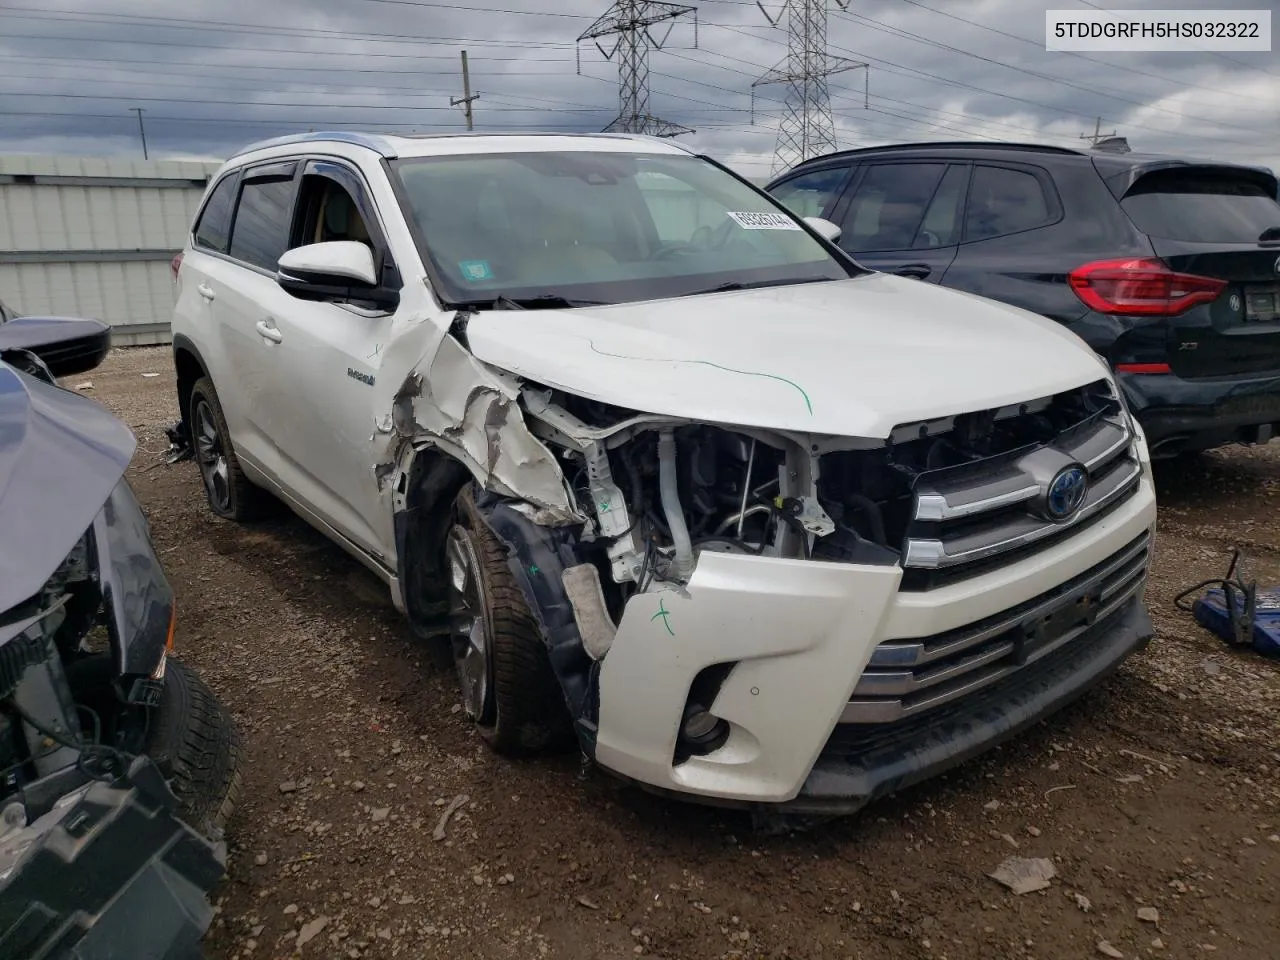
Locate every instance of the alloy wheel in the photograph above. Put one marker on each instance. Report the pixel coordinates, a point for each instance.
(211, 457)
(469, 624)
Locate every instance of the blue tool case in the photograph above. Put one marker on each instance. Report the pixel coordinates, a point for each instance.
(1213, 612)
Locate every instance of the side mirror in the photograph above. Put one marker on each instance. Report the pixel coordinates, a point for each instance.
(334, 270)
(66, 345)
(824, 228)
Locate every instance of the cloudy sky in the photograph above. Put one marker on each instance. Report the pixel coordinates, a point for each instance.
(212, 75)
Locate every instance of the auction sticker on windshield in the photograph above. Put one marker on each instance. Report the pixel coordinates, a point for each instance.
(476, 270)
(763, 221)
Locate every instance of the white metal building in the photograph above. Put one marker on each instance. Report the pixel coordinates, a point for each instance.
(93, 237)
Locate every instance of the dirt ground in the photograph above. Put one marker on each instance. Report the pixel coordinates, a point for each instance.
(1159, 790)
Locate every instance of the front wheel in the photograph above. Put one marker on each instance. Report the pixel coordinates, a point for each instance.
(507, 684)
(193, 738)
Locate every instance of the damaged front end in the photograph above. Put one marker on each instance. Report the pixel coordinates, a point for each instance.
(732, 601)
(662, 498)
(116, 765)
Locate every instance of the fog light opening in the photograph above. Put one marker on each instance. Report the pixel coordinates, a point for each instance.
(701, 731)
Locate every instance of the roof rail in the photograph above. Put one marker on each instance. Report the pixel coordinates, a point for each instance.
(949, 145)
(371, 141)
(544, 133)
(382, 146)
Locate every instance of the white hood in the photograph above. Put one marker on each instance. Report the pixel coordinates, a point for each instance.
(846, 358)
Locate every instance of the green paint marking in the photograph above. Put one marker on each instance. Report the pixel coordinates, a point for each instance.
(767, 376)
(664, 613)
(707, 363)
(534, 570)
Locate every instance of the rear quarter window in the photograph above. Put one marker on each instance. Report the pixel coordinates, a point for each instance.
(1201, 207)
(1003, 201)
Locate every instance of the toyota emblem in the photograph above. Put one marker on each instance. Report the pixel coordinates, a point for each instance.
(1066, 492)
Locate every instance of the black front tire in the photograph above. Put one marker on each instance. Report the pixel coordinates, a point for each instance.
(230, 493)
(193, 739)
(522, 710)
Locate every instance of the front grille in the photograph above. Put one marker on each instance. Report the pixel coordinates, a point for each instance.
(905, 678)
(965, 522)
(956, 496)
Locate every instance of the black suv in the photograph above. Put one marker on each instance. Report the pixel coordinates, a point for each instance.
(1169, 268)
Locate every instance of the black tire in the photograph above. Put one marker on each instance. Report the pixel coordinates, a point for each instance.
(228, 490)
(524, 710)
(194, 740)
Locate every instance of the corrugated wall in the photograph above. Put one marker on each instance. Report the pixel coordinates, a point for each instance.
(85, 236)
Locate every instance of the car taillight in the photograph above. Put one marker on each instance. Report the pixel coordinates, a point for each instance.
(1156, 368)
(1144, 287)
(176, 264)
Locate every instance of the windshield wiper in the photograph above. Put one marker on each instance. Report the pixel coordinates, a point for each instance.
(755, 284)
(543, 301)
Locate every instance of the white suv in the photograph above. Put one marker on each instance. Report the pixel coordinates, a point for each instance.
(756, 524)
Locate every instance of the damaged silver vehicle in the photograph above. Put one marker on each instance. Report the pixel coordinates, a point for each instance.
(754, 524)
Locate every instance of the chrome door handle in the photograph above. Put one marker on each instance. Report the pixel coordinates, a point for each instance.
(268, 330)
(205, 291)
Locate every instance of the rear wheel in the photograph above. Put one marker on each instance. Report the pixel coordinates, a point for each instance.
(507, 685)
(229, 491)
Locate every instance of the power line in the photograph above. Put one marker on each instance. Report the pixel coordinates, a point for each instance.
(908, 35)
(238, 26)
(1217, 53)
(917, 74)
(1039, 45)
(275, 51)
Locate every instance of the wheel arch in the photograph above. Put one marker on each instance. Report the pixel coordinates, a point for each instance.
(425, 491)
(189, 366)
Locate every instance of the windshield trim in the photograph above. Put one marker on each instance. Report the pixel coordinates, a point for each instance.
(438, 288)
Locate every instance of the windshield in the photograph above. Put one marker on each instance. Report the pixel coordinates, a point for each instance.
(565, 228)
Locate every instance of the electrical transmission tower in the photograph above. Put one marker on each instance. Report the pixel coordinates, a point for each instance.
(630, 22)
(807, 128)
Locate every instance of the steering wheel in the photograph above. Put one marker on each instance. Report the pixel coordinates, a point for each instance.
(675, 250)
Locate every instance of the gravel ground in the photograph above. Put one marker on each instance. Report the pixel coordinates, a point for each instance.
(1157, 797)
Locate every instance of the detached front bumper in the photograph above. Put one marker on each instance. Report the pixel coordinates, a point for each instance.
(798, 637)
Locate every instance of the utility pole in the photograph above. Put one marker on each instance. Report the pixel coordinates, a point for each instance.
(630, 22)
(807, 128)
(1097, 134)
(467, 95)
(142, 131)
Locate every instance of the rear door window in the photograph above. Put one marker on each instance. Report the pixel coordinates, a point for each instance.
(942, 219)
(260, 231)
(889, 205)
(812, 194)
(1201, 207)
(1003, 200)
(214, 224)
